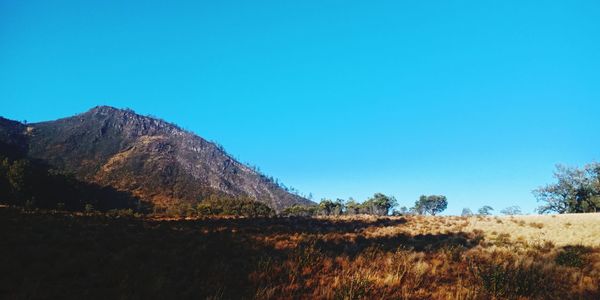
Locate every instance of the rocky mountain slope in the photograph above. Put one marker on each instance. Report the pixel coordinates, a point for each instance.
(154, 160)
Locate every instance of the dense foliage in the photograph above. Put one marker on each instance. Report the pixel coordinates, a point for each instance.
(577, 191)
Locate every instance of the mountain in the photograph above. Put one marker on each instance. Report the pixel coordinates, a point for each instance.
(154, 160)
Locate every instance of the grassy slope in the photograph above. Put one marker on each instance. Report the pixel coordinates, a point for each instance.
(55, 255)
(562, 230)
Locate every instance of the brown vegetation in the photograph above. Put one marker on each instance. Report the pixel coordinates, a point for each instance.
(62, 255)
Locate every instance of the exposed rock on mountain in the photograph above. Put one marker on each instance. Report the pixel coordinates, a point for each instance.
(154, 160)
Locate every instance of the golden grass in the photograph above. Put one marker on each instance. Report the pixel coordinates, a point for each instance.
(562, 230)
(357, 257)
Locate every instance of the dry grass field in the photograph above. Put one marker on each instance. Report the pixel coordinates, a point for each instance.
(562, 230)
(60, 255)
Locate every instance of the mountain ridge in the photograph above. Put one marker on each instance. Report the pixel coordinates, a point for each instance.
(153, 159)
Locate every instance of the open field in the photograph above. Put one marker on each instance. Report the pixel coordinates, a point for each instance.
(60, 255)
(562, 230)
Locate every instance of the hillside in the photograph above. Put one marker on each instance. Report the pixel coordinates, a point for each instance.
(154, 160)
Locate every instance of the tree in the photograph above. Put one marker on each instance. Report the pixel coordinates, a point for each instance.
(433, 204)
(511, 210)
(328, 207)
(325, 207)
(486, 210)
(254, 209)
(419, 208)
(352, 207)
(577, 190)
(379, 204)
(339, 207)
(466, 212)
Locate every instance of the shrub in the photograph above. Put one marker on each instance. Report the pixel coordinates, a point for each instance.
(572, 256)
(513, 279)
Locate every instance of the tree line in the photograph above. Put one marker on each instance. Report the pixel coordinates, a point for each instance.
(378, 205)
(218, 205)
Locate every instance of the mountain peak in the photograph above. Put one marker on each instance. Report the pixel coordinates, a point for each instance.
(128, 119)
(155, 160)
(110, 110)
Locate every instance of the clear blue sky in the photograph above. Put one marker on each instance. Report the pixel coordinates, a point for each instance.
(476, 100)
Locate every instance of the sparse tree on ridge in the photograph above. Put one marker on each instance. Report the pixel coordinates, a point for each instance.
(339, 207)
(325, 207)
(379, 204)
(433, 204)
(328, 207)
(486, 210)
(466, 212)
(511, 210)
